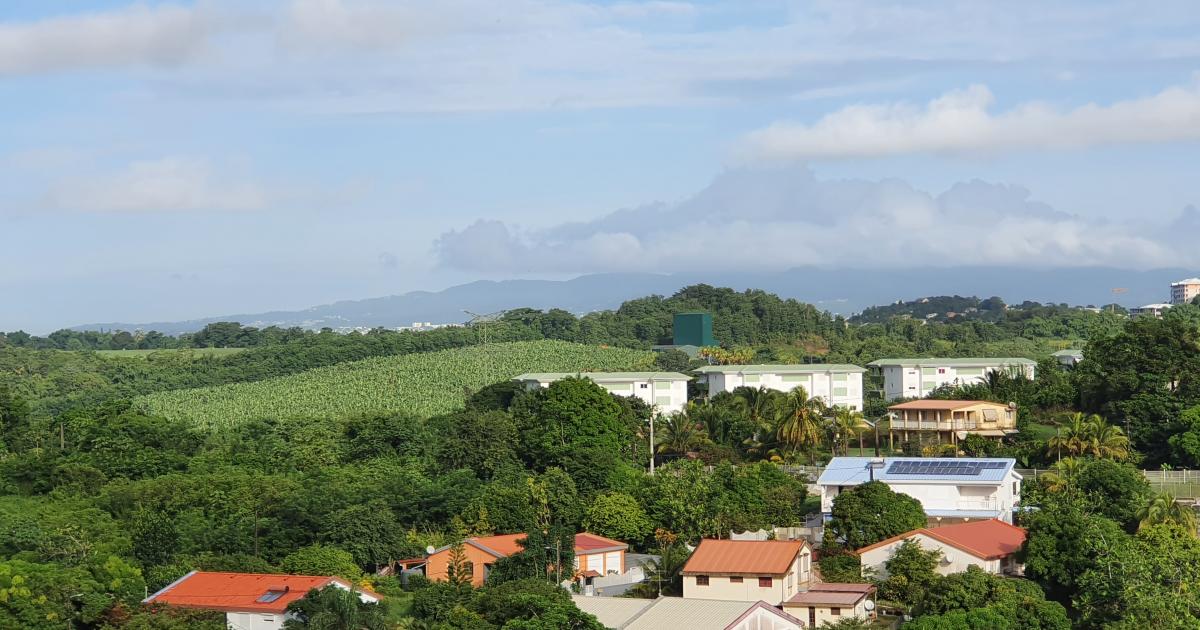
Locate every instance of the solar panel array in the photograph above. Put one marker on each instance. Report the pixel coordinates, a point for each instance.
(943, 467)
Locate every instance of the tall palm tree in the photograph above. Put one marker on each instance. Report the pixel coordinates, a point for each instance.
(1071, 438)
(846, 425)
(1105, 441)
(1063, 473)
(715, 421)
(1164, 509)
(678, 434)
(798, 421)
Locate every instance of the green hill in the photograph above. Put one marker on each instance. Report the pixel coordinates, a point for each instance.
(425, 384)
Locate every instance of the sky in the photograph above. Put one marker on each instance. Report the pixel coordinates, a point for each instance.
(174, 160)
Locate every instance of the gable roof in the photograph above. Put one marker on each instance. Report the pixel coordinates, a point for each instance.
(504, 545)
(987, 540)
(756, 557)
(799, 368)
(849, 471)
(242, 592)
(768, 609)
(944, 405)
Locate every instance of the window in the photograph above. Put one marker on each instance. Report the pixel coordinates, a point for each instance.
(835, 612)
(268, 618)
(841, 378)
(701, 580)
(839, 391)
(272, 594)
(928, 371)
(764, 582)
(735, 579)
(1015, 489)
(794, 378)
(929, 385)
(662, 401)
(643, 385)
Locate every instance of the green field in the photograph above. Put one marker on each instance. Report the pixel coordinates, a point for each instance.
(141, 354)
(425, 384)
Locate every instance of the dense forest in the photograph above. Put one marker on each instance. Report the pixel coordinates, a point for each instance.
(102, 500)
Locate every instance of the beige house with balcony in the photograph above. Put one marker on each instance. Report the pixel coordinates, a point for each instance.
(951, 420)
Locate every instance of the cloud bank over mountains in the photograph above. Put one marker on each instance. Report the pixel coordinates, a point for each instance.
(760, 219)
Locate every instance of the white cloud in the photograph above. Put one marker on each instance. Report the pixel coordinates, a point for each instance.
(961, 122)
(774, 219)
(172, 184)
(136, 35)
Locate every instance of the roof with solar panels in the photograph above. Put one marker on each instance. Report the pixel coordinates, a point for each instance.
(849, 471)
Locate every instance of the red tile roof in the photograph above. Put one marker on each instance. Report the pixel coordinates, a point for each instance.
(752, 557)
(943, 404)
(241, 592)
(986, 540)
(507, 544)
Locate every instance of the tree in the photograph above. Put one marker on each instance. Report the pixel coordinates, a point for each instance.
(619, 516)
(321, 560)
(153, 536)
(531, 605)
(1164, 509)
(798, 423)
(842, 568)
(911, 574)
(1117, 491)
(677, 433)
(1063, 542)
(847, 425)
(1143, 581)
(459, 572)
(871, 512)
(334, 608)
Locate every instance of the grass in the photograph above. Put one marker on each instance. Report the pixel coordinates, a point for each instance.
(142, 354)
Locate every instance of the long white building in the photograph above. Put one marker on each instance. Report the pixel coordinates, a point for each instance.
(835, 384)
(916, 378)
(665, 390)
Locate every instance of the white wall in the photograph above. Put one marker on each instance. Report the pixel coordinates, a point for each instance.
(825, 613)
(955, 560)
(763, 620)
(818, 384)
(253, 621)
(949, 496)
(918, 382)
(724, 587)
(668, 395)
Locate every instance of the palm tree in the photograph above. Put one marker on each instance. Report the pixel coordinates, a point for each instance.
(678, 434)
(1164, 509)
(846, 425)
(1071, 438)
(714, 420)
(756, 405)
(1105, 441)
(798, 421)
(1063, 473)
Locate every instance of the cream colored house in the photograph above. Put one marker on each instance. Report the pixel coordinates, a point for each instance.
(951, 420)
(747, 570)
(665, 390)
(916, 378)
(991, 545)
(829, 602)
(834, 384)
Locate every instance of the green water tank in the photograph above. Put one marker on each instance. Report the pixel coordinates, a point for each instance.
(693, 329)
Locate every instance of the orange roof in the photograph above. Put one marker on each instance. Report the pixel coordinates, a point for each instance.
(756, 557)
(587, 541)
(986, 540)
(507, 544)
(241, 592)
(944, 405)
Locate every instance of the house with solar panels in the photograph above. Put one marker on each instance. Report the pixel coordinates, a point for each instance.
(917, 378)
(951, 490)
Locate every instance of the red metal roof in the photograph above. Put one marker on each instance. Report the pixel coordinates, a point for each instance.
(507, 544)
(241, 592)
(986, 540)
(751, 557)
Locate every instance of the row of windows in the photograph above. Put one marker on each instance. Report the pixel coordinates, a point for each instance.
(763, 582)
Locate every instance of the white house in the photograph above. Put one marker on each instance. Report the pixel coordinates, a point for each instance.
(665, 390)
(1149, 310)
(951, 490)
(916, 378)
(1184, 291)
(835, 384)
(250, 601)
(1068, 358)
(991, 545)
(621, 613)
(747, 570)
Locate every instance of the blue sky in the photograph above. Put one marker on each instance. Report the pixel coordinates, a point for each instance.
(177, 160)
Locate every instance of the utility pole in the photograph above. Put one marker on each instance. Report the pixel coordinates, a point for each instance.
(652, 441)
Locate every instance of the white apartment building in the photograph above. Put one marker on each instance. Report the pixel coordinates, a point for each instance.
(1184, 291)
(665, 390)
(950, 490)
(916, 378)
(1149, 310)
(834, 384)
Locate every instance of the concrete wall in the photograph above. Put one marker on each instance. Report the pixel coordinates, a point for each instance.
(728, 587)
(821, 385)
(918, 382)
(254, 621)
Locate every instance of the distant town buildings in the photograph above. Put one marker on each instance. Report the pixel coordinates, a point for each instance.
(665, 390)
(917, 378)
(834, 384)
(1185, 291)
(1149, 310)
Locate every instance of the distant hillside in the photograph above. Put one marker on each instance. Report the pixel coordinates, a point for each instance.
(842, 291)
(425, 383)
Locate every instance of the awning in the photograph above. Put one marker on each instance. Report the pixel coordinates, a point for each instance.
(984, 432)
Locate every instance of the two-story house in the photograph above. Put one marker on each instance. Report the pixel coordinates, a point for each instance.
(748, 570)
(834, 384)
(951, 490)
(951, 420)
